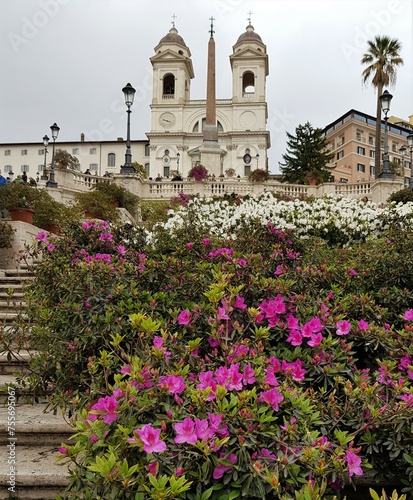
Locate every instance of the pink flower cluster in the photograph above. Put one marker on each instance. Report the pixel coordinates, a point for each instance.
(230, 378)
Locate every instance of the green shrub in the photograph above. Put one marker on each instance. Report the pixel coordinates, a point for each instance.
(403, 196)
(6, 235)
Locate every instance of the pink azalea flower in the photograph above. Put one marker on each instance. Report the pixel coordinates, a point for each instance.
(185, 432)
(153, 468)
(179, 471)
(105, 406)
(292, 322)
(42, 236)
(343, 327)
(87, 224)
(184, 317)
(175, 384)
(63, 450)
(408, 399)
(353, 463)
(217, 426)
(202, 429)
(272, 397)
(121, 249)
(312, 326)
(222, 314)
(408, 315)
(240, 303)
(189, 245)
(157, 342)
(150, 439)
(248, 376)
(352, 272)
(50, 247)
(315, 339)
(294, 369)
(270, 378)
(221, 469)
(363, 325)
(295, 338)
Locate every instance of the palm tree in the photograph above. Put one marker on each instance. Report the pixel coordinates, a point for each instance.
(382, 57)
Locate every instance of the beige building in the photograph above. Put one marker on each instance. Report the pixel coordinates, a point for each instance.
(98, 157)
(352, 140)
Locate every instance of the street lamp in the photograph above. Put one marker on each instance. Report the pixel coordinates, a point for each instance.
(385, 100)
(46, 143)
(257, 157)
(178, 156)
(410, 144)
(55, 132)
(129, 93)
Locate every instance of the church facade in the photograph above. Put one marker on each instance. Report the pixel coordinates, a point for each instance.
(178, 123)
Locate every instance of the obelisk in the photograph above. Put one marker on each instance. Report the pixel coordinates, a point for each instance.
(210, 150)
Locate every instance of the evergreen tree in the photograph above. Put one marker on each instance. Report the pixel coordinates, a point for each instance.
(63, 159)
(307, 156)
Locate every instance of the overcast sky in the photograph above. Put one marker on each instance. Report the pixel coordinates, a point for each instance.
(66, 61)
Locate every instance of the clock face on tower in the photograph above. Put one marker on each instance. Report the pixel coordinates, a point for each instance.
(167, 120)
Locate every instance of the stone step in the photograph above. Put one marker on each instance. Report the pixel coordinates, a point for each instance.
(14, 362)
(37, 476)
(33, 425)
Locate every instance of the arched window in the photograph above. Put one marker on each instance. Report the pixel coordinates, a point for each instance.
(219, 125)
(169, 84)
(111, 160)
(248, 83)
(147, 150)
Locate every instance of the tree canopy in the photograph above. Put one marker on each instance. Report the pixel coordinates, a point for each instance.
(382, 59)
(63, 159)
(307, 156)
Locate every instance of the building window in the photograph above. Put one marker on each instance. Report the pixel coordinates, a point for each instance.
(93, 166)
(40, 168)
(395, 147)
(359, 136)
(361, 150)
(75, 151)
(7, 152)
(169, 84)
(247, 170)
(340, 154)
(372, 170)
(372, 153)
(92, 151)
(40, 152)
(166, 170)
(371, 140)
(340, 141)
(361, 167)
(147, 169)
(24, 152)
(111, 159)
(343, 180)
(147, 150)
(8, 168)
(24, 168)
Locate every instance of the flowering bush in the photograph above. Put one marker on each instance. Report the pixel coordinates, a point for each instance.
(227, 362)
(199, 173)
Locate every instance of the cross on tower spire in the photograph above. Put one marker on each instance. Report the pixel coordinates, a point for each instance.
(212, 27)
(173, 20)
(249, 17)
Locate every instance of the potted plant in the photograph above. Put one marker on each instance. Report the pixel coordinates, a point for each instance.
(50, 214)
(97, 205)
(198, 173)
(119, 196)
(230, 172)
(18, 199)
(258, 175)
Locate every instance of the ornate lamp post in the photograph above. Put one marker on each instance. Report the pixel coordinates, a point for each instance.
(410, 144)
(385, 100)
(257, 157)
(129, 93)
(178, 156)
(55, 132)
(46, 143)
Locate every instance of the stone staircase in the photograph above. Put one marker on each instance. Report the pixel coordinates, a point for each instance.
(29, 437)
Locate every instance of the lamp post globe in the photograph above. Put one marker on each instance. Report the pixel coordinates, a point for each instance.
(129, 93)
(55, 133)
